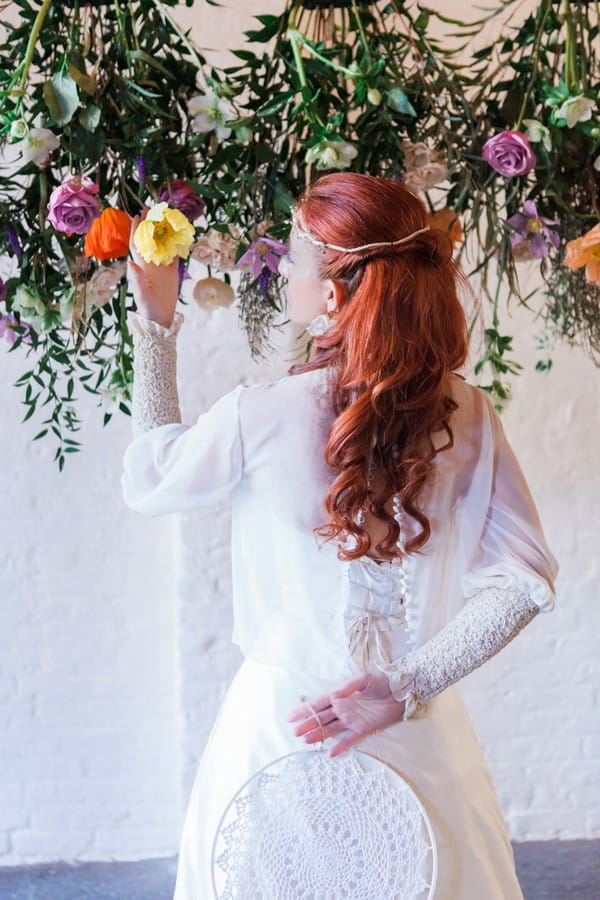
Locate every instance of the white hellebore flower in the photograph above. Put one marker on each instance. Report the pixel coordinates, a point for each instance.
(211, 113)
(537, 133)
(576, 109)
(331, 154)
(209, 293)
(27, 301)
(38, 144)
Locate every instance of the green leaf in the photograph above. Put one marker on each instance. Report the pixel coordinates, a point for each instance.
(397, 100)
(90, 117)
(62, 99)
(277, 103)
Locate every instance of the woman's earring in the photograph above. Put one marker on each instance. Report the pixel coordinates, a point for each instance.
(321, 323)
(318, 325)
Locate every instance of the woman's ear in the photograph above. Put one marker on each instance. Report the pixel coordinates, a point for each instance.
(334, 292)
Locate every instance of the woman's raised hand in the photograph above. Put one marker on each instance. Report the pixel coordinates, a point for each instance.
(155, 288)
(359, 708)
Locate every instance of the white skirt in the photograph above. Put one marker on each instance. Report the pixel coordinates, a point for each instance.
(437, 754)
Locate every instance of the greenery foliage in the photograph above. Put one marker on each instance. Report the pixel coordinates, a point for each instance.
(320, 87)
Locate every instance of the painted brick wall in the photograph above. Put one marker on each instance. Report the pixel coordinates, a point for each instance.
(115, 627)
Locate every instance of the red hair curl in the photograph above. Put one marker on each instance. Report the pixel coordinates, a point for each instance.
(399, 332)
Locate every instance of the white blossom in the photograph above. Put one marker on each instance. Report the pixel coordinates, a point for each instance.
(537, 133)
(38, 144)
(331, 155)
(576, 109)
(211, 113)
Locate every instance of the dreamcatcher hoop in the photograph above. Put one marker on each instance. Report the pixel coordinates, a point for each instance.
(309, 827)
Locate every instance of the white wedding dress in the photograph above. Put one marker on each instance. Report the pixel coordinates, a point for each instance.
(307, 622)
(438, 754)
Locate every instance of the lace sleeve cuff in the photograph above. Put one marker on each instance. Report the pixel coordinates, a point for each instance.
(155, 397)
(486, 624)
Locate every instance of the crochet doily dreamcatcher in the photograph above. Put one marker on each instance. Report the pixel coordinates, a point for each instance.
(308, 827)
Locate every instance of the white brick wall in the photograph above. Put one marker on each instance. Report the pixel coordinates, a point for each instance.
(115, 627)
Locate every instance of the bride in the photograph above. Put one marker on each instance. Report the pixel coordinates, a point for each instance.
(384, 540)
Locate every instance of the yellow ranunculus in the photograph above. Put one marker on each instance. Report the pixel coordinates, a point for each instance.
(164, 234)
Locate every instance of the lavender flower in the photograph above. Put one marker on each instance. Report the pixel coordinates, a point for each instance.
(13, 240)
(533, 228)
(7, 323)
(141, 169)
(262, 253)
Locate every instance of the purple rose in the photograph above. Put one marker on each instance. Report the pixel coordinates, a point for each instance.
(73, 205)
(182, 196)
(509, 153)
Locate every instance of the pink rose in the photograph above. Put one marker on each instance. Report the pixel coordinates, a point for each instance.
(509, 153)
(73, 205)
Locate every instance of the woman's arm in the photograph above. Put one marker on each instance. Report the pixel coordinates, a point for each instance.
(486, 624)
(155, 397)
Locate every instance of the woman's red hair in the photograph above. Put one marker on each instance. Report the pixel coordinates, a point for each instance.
(399, 332)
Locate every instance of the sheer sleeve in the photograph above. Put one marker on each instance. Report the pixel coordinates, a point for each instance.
(169, 466)
(510, 581)
(513, 552)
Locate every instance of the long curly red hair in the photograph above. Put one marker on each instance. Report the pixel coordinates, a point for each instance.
(399, 332)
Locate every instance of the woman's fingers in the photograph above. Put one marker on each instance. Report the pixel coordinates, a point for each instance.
(335, 727)
(349, 740)
(306, 710)
(325, 717)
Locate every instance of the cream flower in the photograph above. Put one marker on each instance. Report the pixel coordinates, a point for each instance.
(210, 293)
(217, 249)
(424, 166)
(576, 109)
(537, 133)
(211, 113)
(38, 144)
(101, 287)
(331, 155)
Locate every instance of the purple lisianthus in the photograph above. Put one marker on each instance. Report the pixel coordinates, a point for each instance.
(182, 196)
(533, 228)
(262, 253)
(73, 205)
(14, 242)
(509, 153)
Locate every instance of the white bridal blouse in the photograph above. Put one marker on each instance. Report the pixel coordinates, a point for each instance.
(264, 445)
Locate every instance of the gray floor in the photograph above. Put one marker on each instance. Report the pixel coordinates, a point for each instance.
(554, 870)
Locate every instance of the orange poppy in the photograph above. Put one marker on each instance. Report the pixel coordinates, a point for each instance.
(585, 251)
(108, 238)
(446, 220)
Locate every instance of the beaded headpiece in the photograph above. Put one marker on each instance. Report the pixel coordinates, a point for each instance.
(306, 235)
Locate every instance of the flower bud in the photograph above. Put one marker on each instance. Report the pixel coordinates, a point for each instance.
(374, 96)
(18, 129)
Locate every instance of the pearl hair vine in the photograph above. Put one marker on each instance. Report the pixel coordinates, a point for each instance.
(305, 234)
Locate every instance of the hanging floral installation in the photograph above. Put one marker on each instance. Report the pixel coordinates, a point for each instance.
(108, 107)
